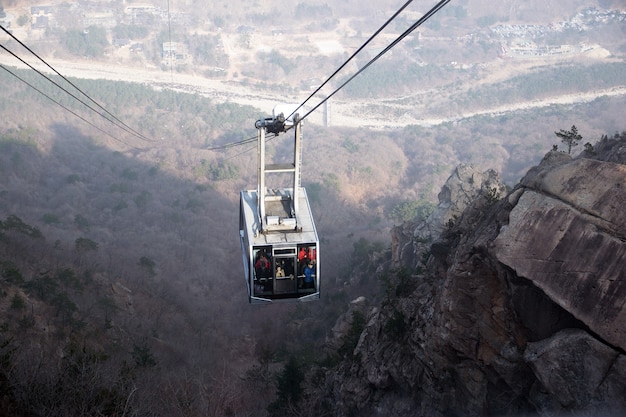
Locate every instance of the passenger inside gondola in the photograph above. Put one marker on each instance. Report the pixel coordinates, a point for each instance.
(263, 266)
(263, 271)
(303, 258)
(302, 254)
(309, 275)
(288, 267)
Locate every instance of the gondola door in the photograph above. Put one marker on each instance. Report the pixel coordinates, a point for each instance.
(286, 282)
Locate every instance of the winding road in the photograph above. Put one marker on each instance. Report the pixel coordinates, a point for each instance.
(344, 113)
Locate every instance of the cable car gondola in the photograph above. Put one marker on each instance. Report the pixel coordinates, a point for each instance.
(279, 243)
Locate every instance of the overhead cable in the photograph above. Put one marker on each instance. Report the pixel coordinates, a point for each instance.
(64, 107)
(407, 32)
(241, 153)
(241, 142)
(62, 88)
(392, 18)
(230, 145)
(121, 125)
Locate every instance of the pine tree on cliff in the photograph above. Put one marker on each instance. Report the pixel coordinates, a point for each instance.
(569, 137)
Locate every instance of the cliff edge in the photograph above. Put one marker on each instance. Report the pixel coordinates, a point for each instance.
(503, 306)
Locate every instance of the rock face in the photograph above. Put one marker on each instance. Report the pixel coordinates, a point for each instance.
(343, 324)
(574, 355)
(520, 309)
(568, 238)
(464, 185)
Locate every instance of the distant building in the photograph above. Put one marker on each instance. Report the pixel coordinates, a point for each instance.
(105, 19)
(138, 9)
(41, 10)
(174, 53)
(169, 49)
(40, 22)
(119, 42)
(142, 13)
(41, 16)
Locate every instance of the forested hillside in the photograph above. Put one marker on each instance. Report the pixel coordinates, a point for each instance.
(121, 284)
(120, 259)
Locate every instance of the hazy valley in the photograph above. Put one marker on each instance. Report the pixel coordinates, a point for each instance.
(122, 272)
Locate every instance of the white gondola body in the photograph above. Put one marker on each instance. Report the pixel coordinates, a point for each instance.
(279, 243)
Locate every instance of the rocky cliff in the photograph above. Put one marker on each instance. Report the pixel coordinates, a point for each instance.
(504, 303)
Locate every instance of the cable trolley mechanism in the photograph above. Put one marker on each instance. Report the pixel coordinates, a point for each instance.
(279, 243)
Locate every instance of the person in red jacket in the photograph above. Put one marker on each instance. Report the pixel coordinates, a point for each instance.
(262, 267)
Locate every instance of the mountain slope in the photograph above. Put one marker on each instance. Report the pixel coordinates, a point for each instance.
(520, 309)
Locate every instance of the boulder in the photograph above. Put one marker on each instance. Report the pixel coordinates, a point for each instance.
(567, 234)
(578, 372)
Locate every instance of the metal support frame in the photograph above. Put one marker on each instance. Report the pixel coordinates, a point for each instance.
(261, 175)
(297, 160)
(264, 169)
